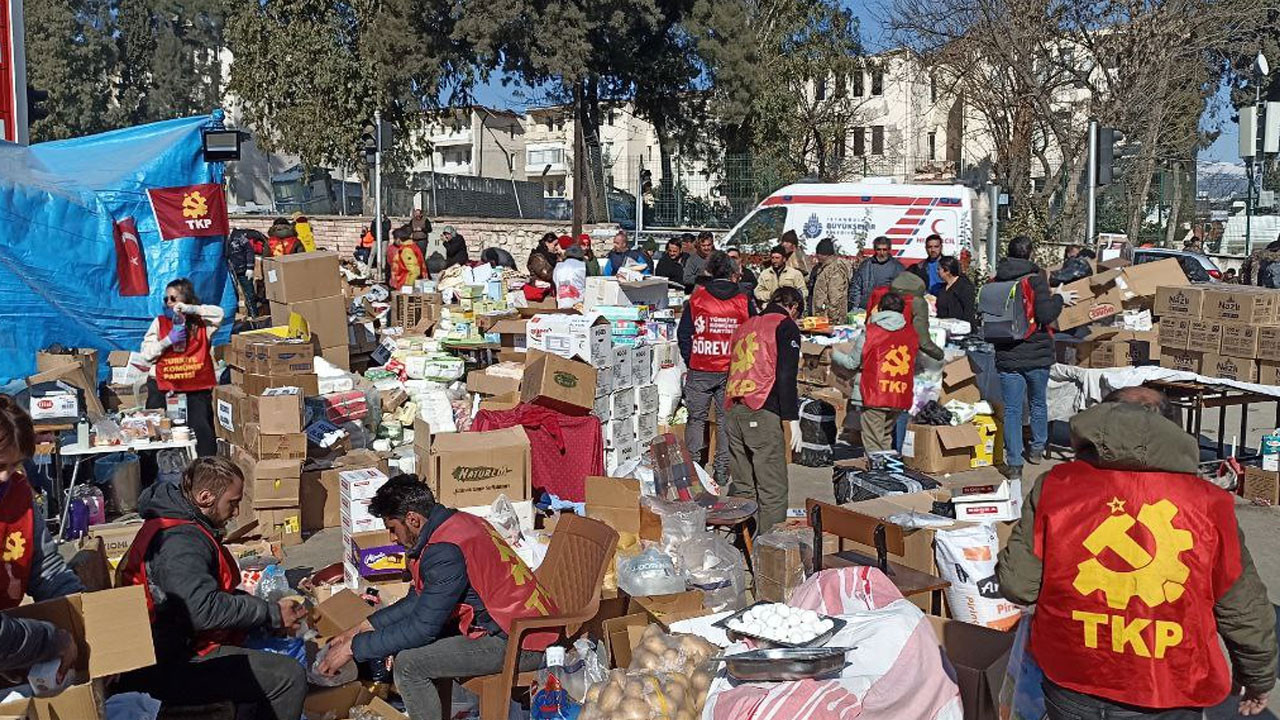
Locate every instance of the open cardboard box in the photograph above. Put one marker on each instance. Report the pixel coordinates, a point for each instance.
(959, 382)
(940, 448)
(474, 468)
(337, 703)
(978, 656)
(1098, 296)
(112, 628)
(666, 609)
(339, 613)
(616, 502)
(78, 702)
(564, 385)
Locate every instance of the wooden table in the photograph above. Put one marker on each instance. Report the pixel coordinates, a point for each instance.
(886, 537)
(1195, 397)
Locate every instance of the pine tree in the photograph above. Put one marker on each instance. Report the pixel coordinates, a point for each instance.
(70, 55)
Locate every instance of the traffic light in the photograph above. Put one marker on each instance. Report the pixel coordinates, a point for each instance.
(35, 104)
(1107, 139)
(386, 137)
(369, 142)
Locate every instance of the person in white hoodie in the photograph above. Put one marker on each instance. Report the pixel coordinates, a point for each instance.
(885, 356)
(179, 346)
(570, 277)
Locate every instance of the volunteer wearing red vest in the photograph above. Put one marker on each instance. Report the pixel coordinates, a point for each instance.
(29, 559)
(405, 260)
(469, 586)
(707, 323)
(179, 345)
(282, 239)
(199, 618)
(1137, 566)
(764, 358)
(886, 356)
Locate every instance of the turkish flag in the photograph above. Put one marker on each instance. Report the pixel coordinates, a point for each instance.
(131, 264)
(190, 211)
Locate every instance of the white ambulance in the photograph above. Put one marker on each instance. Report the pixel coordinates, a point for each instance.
(854, 214)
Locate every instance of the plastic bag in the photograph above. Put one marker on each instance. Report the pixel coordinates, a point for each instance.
(651, 572)
(717, 568)
(670, 652)
(586, 664)
(346, 674)
(294, 647)
(273, 584)
(681, 521)
(967, 559)
(1021, 695)
(502, 515)
(171, 463)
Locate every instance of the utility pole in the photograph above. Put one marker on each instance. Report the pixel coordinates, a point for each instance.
(579, 160)
(1091, 224)
(377, 190)
(993, 227)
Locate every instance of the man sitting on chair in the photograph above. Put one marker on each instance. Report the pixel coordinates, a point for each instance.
(469, 586)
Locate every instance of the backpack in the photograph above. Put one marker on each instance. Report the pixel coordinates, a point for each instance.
(1007, 310)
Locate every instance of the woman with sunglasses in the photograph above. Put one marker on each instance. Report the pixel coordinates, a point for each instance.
(29, 559)
(179, 345)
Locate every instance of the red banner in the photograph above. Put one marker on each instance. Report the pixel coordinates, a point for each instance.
(131, 264)
(190, 211)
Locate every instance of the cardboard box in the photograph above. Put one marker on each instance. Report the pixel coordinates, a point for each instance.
(1204, 335)
(615, 502)
(611, 291)
(274, 355)
(277, 411)
(1239, 303)
(1229, 368)
(623, 372)
(265, 446)
(666, 609)
(646, 399)
(940, 448)
(604, 380)
(480, 381)
(339, 613)
(585, 337)
(815, 363)
(1178, 300)
(119, 398)
(960, 382)
(1268, 372)
(622, 404)
(84, 358)
(339, 356)
(1239, 340)
(474, 468)
(1175, 332)
(112, 628)
(271, 483)
(256, 384)
(320, 488)
(1098, 297)
(1186, 360)
(646, 425)
(326, 318)
(73, 373)
(305, 276)
(77, 702)
(979, 656)
(1269, 342)
(1261, 487)
(986, 498)
(283, 525)
(116, 537)
(564, 385)
(1144, 280)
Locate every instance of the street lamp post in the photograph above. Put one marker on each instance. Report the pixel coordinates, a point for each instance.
(1250, 138)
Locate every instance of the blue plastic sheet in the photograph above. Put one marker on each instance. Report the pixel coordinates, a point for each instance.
(59, 202)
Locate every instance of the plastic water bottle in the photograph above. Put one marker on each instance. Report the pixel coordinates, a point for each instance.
(548, 698)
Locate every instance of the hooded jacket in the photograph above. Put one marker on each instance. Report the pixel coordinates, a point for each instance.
(1036, 351)
(1130, 437)
(720, 290)
(1251, 272)
(890, 320)
(869, 276)
(182, 569)
(910, 284)
(830, 294)
(672, 269)
(420, 618)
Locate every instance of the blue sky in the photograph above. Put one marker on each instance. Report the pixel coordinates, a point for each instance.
(869, 13)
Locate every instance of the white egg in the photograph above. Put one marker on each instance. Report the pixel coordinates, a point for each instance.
(825, 624)
(809, 615)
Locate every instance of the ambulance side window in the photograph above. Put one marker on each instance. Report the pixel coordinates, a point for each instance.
(760, 229)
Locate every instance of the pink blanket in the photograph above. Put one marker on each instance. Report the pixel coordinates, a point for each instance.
(896, 672)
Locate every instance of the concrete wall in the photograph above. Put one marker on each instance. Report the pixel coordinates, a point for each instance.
(518, 237)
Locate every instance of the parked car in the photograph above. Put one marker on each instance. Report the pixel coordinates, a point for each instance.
(1199, 268)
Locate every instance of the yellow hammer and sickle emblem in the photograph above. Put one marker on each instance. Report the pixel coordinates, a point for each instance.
(1155, 578)
(14, 546)
(194, 205)
(897, 361)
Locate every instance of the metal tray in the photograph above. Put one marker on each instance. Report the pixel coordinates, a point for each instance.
(723, 624)
(781, 664)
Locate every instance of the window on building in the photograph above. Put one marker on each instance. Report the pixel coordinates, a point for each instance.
(877, 80)
(553, 187)
(859, 141)
(931, 145)
(610, 117)
(545, 156)
(455, 157)
(877, 139)
(820, 89)
(859, 83)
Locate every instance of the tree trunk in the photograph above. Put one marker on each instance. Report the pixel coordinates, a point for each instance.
(1171, 229)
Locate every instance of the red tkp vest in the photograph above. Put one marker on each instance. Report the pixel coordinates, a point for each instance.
(1133, 564)
(873, 302)
(714, 321)
(400, 271)
(189, 370)
(503, 581)
(133, 571)
(889, 365)
(17, 541)
(282, 246)
(753, 364)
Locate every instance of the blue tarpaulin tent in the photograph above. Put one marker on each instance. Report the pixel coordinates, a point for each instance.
(59, 202)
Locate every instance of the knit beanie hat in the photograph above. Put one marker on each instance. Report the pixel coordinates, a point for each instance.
(826, 246)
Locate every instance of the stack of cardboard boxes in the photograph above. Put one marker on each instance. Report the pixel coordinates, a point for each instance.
(1223, 331)
(370, 554)
(309, 285)
(1120, 301)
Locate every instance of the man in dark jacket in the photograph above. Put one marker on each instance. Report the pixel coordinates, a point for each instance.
(710, 317)
(455, 247)
(1127, 627)
(693, 264)
(1024, 365)
(420, 230)
(876, 271)
(760, 395)
(240, 256)
(1255, 270)
(199, 615)
(958, 297)
(468, 588)
(671, 266)
(746, 276)
(496, 257)
(927, 269)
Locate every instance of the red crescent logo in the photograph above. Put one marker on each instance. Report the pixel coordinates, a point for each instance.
(933, 227)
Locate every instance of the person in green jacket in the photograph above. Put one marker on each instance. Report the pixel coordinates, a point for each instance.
(589, 257)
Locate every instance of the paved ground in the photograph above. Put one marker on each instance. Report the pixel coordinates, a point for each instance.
(1261, 525)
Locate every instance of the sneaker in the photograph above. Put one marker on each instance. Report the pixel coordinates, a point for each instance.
(1013, 472)
(1035, 456)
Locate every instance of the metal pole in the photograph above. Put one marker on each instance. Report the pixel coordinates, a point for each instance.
(993, 227)
(579, 166)
(1250, 166)
(343, 171)
(639, 197)
(377, 188)
(1091, 227)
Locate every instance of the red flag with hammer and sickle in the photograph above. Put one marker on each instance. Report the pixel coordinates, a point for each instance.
(131, 264)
